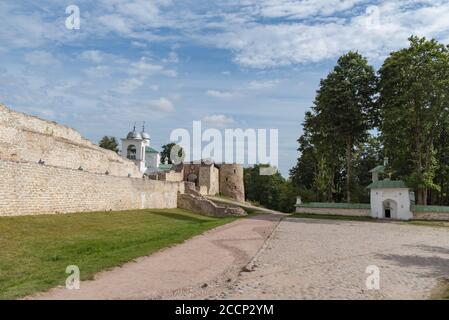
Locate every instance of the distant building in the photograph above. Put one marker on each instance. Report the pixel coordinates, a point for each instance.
(206, 176)
(389, 199)
(136, 147)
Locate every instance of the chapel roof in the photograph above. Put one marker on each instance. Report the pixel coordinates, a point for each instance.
(388, 184)
(150, 150)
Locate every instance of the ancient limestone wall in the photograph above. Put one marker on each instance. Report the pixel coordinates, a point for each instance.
(209, 177)
(191, 169)
(28, 138)
(171, 176)
(29, 188)
(193, 200)
(231, 181)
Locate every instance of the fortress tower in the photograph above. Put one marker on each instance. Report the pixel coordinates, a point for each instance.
(231, 181)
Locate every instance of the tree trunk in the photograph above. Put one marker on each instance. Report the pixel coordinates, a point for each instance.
(348, 169)
(419, 169)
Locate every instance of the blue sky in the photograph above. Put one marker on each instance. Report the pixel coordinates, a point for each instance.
(238, 64)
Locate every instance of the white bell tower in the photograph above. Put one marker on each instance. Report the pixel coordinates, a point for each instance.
(133, 148)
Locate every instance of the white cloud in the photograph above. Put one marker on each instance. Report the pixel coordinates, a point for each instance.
(41, 58)
(162, 104)
(93, 56)
(285, 43)
(260, 85)
(116, 23)
(218, 120)
(172, 58)
(304, 8)
(138, 44)
(98, 71)
(129, 85)
(219, 94)
(21, 29)
(145, 68)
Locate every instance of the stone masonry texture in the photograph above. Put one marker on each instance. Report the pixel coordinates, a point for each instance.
(28, 138)
(29, 188)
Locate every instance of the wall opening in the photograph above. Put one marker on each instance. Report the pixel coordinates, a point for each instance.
(192, 178)
(131, 152)
(390, 208)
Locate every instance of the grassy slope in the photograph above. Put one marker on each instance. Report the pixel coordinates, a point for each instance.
(35, 250)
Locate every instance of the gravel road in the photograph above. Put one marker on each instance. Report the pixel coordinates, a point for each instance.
(324, 259)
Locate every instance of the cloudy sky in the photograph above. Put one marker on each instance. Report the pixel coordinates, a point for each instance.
(238, 64)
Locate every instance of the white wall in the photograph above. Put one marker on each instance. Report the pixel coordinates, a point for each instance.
(400, 196)
(153, 160)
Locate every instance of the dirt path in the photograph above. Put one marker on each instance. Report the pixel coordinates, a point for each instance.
(263, 258)
(324, 259)
(199, 267)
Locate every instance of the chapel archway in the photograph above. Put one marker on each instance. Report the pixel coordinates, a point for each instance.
(390, 209)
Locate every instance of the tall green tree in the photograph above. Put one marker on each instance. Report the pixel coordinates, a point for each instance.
(414, 89)
(367, 156)
(344, 111)
(441, 196)
(109, 143)
(271, 191)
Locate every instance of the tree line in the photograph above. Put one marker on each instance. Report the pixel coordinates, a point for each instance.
(360, 117)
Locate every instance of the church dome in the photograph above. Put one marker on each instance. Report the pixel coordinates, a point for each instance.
(145, 136)
(134, 135)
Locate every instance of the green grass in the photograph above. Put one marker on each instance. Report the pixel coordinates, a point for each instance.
(35, 250)
(330, 217)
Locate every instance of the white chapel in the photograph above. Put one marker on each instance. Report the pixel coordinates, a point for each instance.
(136, 147)
(390, 199)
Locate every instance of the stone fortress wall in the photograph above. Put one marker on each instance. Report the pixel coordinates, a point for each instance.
(28, 138)
(29, 188)
(58, 185)
(223, 179)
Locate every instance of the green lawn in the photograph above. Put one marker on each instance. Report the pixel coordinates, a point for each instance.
(35, 250)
